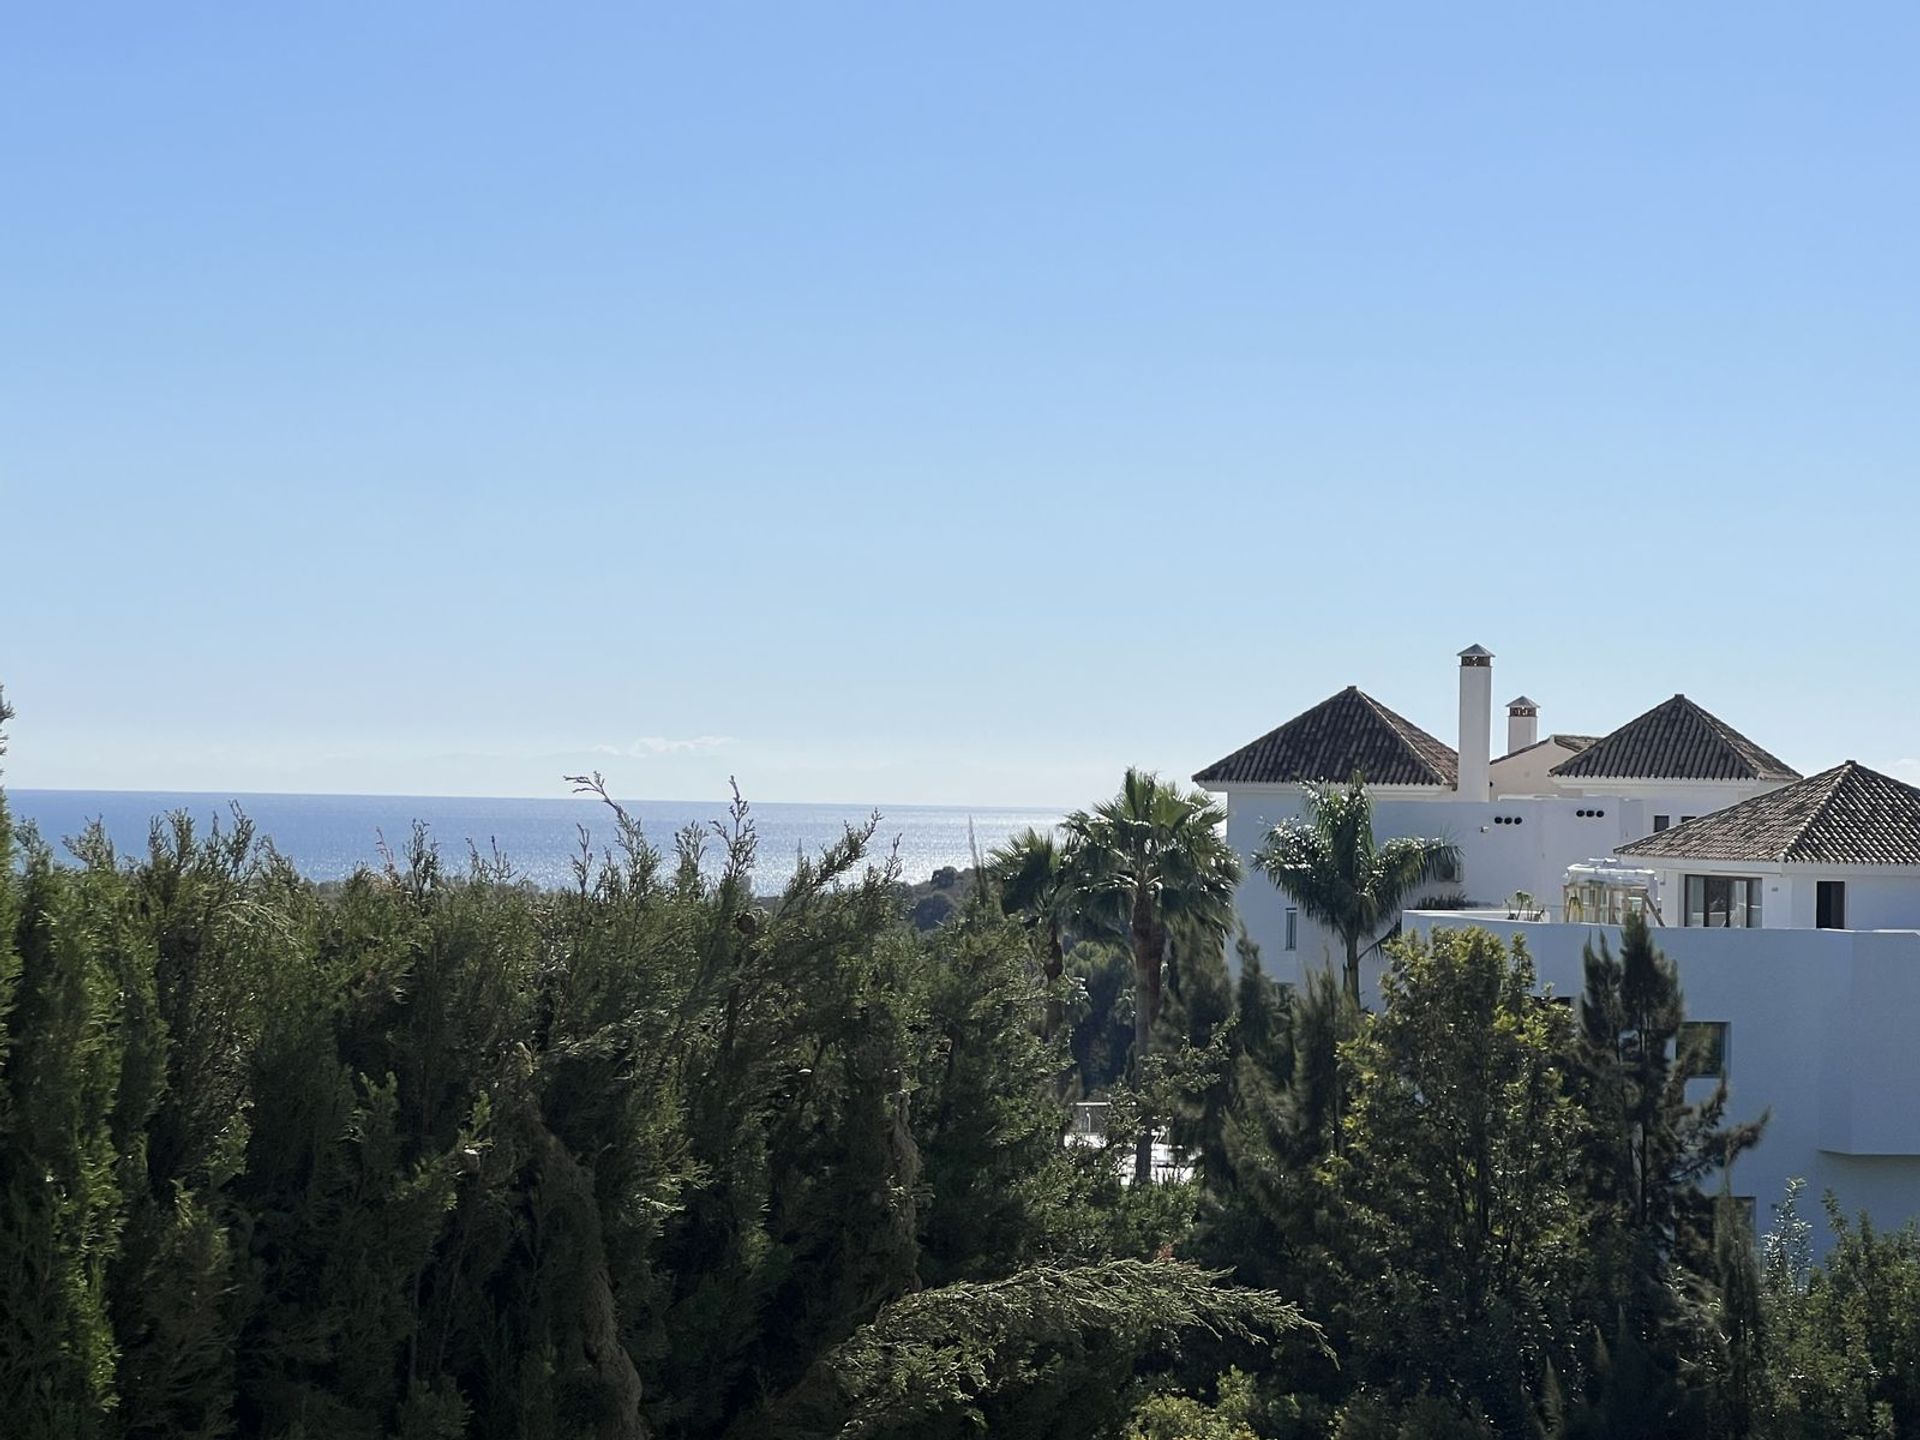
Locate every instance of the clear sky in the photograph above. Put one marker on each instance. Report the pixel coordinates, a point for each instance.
(907, 403)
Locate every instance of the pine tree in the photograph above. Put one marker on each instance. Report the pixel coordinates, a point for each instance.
(1648, 1150)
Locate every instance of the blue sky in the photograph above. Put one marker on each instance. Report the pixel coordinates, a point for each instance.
(890, 403)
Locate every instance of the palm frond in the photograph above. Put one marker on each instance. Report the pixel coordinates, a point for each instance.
(1330, 865)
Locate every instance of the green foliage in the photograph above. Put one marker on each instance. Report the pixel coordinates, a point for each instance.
(990, 1352)
(1424, 1417)
(1181, 1417)
(66, 1100)
(1272, 1208)
(1456, 1169)
(435, 1154)
(1648, 1148)
(1739, 1400)
(1099, 1014)
(1842, 1339)
(1152, 860)
(1654, 1274)
(1337, 873)
(1038, 877)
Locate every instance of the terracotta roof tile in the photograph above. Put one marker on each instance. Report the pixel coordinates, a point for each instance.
(1848, 815)
(1676, 740)
(1349, 732)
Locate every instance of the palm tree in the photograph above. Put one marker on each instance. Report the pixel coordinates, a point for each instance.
(1330, 866)
(1037, 879)
(1152, 857)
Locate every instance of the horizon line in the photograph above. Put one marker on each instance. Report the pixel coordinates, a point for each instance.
(721, 801)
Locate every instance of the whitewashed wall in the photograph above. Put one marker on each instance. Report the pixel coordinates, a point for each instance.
(1506, 846)
(1879, 897)
(1822, 1036)
(1526, 773)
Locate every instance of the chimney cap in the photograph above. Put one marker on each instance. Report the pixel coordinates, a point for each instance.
(1475, 655)
(1522, 705)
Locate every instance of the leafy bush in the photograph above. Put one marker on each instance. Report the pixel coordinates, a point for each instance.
(435, 1154)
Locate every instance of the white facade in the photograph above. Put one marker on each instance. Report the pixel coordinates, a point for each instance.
(1525, 771)
(1820, 1038)
(1877, 897)
(1520, 842)
(1476, 724)
(1821, 1020)
(1507, 847)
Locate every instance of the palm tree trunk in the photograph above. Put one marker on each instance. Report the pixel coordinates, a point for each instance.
(1142, 1038)
(1353, 967)
(1146, 1006)
(1056, 965)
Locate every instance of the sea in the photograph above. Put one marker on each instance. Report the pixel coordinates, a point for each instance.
(328, 837)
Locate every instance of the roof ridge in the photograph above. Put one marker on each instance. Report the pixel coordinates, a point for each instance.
(1348, 730)
(1847, 814)
(1681, 733)
(1411, 735)
(1741, 746)
(1835, 778)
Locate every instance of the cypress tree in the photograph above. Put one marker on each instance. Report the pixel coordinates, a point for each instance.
(1739, 1391)
(1647, 1151)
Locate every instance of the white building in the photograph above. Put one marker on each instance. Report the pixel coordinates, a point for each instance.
(1791, 905)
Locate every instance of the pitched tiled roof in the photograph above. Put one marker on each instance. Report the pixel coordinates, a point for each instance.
(1575, 743)
(1848, 815)
(1676, 740)
(1351, 731)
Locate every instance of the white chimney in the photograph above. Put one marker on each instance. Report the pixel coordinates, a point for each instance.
(1523, 724)
(1476, 723)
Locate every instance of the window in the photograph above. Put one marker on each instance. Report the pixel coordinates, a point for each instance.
(1830, 905)
(1661, 822)
(1721, 902)
(1703, 1049)
(1686, 819)
(1293, 928)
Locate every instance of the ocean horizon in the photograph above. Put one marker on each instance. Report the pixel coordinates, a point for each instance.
(328, 837)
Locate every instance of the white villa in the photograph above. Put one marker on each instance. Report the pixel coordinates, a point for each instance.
(1790, 904)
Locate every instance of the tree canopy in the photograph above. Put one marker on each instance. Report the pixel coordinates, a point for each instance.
(1332, 867)
(436, 1154)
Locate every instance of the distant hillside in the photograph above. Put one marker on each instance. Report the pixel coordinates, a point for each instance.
(934, 899)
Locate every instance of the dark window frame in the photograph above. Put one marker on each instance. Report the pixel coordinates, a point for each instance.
(1830, 905)
(1714, 1057)
(1724, 896)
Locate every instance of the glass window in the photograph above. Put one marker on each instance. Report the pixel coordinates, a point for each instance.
(1830, 905)
(1722, 902)
(1703, 1049)
(1293, 928)
(1661, 822)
